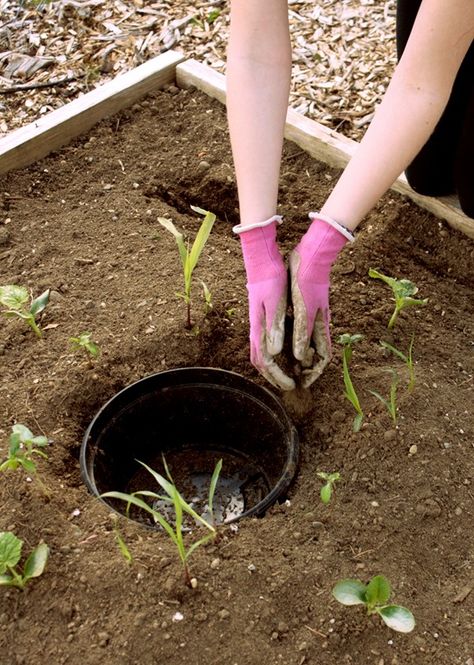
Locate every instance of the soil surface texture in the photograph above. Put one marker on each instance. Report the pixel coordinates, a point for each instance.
(83, 223)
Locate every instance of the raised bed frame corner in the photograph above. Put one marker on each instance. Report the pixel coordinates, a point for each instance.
(57, 128)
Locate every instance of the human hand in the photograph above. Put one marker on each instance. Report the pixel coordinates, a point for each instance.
(267, 293)
(310, 267)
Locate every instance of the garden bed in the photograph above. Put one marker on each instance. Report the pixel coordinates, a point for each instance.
(83, 222)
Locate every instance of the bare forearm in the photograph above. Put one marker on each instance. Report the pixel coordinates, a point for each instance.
(258, 83)
(410, 109)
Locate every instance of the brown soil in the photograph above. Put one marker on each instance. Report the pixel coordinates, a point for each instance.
(84, 223)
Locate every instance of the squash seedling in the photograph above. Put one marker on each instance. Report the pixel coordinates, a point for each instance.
(16, 300)
(174, 499)
(347, 341)
(390, 403)
(327, 489)
(375, 596)
(10, 554)
(403, 292)
(189, 257)
(407, 359)
(23, 445)
(83, 342)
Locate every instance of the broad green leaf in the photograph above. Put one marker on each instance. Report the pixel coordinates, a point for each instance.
(15, 443)
(13, 297)
(325, 493)
(36, 562)
(375, 274)
(10, 550)
(40, 303)
(168, 224)
(398, 618)
(200, 240)
(378, 591)
(23, 432)
(350, 592)
(27, 464)
(6, 580)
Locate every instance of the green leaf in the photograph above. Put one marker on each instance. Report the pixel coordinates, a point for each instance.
(398, 618)
(23, 432)
(169, 226)
(36, 562)
(395, 351)
(198, 543)
(213, 485)
(350, 592)
(10, 550)
(325, 493)
(378, 591)
(6, 580)
(39, 303)
(122, 546)
(13, 297)
(200, 240)
(356, 425)
(130, 498)
(162, 482)
(27, 464)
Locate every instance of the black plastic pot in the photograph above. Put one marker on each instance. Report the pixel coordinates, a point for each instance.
(194, 417)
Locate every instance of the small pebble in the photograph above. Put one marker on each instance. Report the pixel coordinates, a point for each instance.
(215, 563)
(203, 166)
(223, 614)
(413, 449)
(390, 435)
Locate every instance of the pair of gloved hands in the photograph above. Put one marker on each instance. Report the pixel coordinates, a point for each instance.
(267, 284)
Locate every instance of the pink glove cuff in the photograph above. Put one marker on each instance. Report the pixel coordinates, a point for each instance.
(262, 259)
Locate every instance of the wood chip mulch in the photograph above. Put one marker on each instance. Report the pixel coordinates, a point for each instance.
(53, 51)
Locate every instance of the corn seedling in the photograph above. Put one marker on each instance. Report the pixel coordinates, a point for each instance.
(122, 545)
(375, 596)
(189, 257)
(23, 445)
(390, 403)
(403, 290)
(407, 359)
(174, 499)
(347, 341)
(10, 554)
(327, 488)
(84, 343)
(16, 300)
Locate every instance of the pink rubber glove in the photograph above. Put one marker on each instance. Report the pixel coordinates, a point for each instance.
(267, 293)
(310, 267)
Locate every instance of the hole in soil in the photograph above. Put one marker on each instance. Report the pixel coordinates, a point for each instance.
(193, 417)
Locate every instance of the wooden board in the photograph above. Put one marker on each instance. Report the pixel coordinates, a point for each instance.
(323, 143)
(34, 141)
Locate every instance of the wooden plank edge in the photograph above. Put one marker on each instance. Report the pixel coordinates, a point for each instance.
(322, 143)
(53, 130)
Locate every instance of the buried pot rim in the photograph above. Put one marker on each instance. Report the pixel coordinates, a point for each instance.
(266, 396)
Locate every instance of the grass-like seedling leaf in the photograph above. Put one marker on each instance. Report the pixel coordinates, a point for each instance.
(207, 298)
(390, 403)
(407, 359)
(327, 489)
(403, 292)
(23, 445)
(190, 257)
(83, 342)
(10, 554)
(16, 301)
(347, 341)
(375, 596)
(172, 497)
